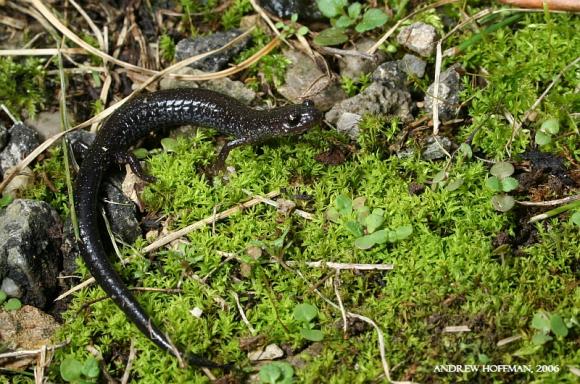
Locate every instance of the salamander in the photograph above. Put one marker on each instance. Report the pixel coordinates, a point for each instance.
(136, 119)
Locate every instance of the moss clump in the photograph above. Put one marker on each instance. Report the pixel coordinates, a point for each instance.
(22, 85)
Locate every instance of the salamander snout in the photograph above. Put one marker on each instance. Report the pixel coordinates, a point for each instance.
(300, 117)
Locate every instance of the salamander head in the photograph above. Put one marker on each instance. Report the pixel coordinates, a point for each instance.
(294, 119)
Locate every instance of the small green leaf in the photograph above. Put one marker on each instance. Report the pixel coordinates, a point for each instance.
(372, 18)
(169, 144)
(355, 228)
(493, 183)
(279, 25)
(331, 8)
(312, 334)
(543, 138)
(403, 232)
(541, 322)
(381, 236)
(302, 31)
(575, 218)
(527, 350)
(365, 242)
(344, 22)
(502, 169)
(373, 222)
(551, 126)
(3, 296)
(305, 312)
(270, 373)
(13, 304)
(557, 326)
(5, 201)
(509, 184)
(503, 203)
(439, 177)
(454, 185)
(70, 369)
(362, 214)
(333, 215)
(140, 153)
(91, 368)
(359, 203)
(540, 338)
(354, 10)
(466, 150)
(294, 17)
(343, 205)
(331, 36)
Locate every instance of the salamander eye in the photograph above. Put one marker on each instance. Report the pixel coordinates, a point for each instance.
(308, 103)
(294, 119)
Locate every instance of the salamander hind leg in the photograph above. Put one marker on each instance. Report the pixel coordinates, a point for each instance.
(131, 159)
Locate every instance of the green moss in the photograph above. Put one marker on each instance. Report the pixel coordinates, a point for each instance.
(233, 14)
(445, 273)
(22, 85)
(521, 64)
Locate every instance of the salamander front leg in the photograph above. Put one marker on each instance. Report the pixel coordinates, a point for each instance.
(131, 159)
(220, 162)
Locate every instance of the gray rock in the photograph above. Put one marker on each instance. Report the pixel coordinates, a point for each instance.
(121, 211)
(348, 124)
(22, 141)
(305, 9)
(47, 124)
(3, 137)
(355, 66)
(418, 37)
(233, 88)
(304, 79)
(190, 47)
(448, 97)
(10, 287)
(30, 235)
(434, 149)
(376, 99)
(390, 75)
(413, 65)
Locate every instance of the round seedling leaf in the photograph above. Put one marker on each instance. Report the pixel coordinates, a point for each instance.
(331, 36)
(540, 338)
(359, 203)
(502, 169)
(543, 138)
(3, 296)
(503, 203)
(343, 205)
(493, 183)
(466, 150)
(270, 373)
(13, 304)
(541, 322)
(140, 153)
(372, 18)
(557, 326)
(551, 126)
(312, 334)
(5, 201)
(439, 177)
(169, 144)
(305, 312)
(91, 368)
(365, 242)
(373, 222)
(509, 184)
(71, 369)
(344, 22)
(354, 10)
(331, 8)
(454, 185)
(355, 228)
(302, 31)
(575, 218)
(333, 215)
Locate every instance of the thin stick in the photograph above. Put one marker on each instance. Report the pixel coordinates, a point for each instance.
(42, 51)
(303, 214)
(549, 203)
(335, 283)
(31, 352)
(78, 287)
(202, 223)
(132, 355)
(243, 314)
(343, 266)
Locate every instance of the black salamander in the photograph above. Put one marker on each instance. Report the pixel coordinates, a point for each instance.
(139, 117)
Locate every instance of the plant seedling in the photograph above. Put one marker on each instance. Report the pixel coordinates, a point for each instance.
(502, 182)
(548, 129)
(277, 372)
(73, 371)
(305, 313)
(293, 28)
